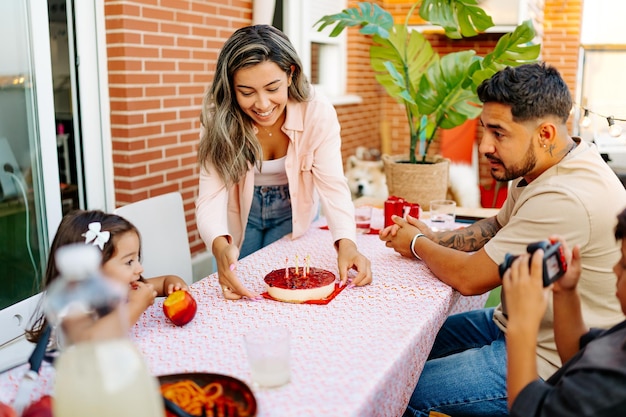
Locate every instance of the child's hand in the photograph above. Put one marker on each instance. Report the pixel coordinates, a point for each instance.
(173, 283)
(569, 281)
(142, 294)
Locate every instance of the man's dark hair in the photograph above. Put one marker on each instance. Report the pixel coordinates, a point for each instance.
(532, 90)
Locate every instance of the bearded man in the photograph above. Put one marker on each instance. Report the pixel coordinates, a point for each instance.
(561, 186)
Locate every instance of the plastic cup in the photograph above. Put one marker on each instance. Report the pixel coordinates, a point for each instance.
(268, 350)
(442, 215)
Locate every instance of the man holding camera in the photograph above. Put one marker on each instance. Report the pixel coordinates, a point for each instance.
(562, 187)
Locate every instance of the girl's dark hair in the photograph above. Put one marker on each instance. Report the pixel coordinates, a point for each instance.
(71, 230)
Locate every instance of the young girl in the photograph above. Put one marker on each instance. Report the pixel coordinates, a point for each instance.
(120, 244)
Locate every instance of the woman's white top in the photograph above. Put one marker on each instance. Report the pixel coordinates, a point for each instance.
(272, 173)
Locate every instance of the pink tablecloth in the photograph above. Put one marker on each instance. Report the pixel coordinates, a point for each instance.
(360, 355)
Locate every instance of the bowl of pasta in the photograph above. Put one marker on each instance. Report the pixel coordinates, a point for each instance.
(209, 394)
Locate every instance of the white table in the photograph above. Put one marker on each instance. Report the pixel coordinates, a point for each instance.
(360, 355)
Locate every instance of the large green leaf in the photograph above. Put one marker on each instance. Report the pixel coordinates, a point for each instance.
(513, 49)
(442, 92)
(459, 18)
(399, 63)
(371, 17)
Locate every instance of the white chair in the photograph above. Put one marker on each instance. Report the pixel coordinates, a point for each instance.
(164, 241)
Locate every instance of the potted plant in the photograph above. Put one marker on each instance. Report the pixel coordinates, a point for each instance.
(436, 91)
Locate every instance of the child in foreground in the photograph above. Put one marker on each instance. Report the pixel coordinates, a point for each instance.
(120, 244)
(592, 381)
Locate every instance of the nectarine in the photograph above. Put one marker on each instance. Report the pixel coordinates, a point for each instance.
(180, 307)
(6, 410)
(40, 408)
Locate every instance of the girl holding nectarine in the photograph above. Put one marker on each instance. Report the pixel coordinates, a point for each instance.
(120, 243)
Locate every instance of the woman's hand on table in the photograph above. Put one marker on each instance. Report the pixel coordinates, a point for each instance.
(348, 257)
(398, 236)
(226, 255)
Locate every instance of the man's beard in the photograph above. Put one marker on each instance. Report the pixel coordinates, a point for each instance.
(511, 173)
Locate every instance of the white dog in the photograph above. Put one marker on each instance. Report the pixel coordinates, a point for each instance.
(366, 178)
(463, 186)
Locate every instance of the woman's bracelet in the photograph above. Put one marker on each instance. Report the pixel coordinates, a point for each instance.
(417, 236)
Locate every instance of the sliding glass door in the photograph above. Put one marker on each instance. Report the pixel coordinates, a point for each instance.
(30, 203)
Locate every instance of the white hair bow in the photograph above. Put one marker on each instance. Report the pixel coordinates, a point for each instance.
(95, 236)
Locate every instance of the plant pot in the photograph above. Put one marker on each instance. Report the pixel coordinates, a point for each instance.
(417, 183)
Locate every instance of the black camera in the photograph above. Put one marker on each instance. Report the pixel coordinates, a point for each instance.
(554, 264)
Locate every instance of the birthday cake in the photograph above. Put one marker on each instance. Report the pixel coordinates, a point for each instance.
(297, 285)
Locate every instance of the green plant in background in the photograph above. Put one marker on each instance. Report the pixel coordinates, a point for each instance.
(437, 92)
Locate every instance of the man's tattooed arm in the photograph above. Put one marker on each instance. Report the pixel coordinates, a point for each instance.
(470, 238)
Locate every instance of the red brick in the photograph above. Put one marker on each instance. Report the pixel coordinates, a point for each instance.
(124, 64)
(189, 18)
(160, 91)
(160, 166)
(176, 4)
(178, 150)
(154, 13)
(170, 53)
(178, 174)
(127, 119)
(159, 40)
(176, 102)
(185, 42)
(160, 116)
(164, 140)
(118, 9)
(180, 29)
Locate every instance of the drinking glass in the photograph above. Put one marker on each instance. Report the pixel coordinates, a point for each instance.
(442, 215)
(268, 350)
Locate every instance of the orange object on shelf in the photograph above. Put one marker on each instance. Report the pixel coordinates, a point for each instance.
(457, 144)
(494, 195)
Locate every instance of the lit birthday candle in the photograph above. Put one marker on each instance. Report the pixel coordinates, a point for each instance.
(296, 264)
(286, 267)
(307, 268)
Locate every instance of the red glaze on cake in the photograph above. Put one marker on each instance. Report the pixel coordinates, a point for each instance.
(317, 284)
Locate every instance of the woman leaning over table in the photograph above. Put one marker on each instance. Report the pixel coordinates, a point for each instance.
(268, 144)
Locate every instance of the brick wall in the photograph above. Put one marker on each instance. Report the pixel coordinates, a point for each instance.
(161, 58)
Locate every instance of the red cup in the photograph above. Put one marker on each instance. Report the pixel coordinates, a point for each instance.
(390, 210)
(413, 210)
(393, 206)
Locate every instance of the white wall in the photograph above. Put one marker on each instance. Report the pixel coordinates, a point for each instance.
(602, 85)
(603, 22)
(13, 48)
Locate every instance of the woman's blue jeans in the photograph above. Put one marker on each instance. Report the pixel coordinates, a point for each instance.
(465, 374)
(269, 219)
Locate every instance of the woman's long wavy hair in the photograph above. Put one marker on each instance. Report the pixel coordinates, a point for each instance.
(229, 143)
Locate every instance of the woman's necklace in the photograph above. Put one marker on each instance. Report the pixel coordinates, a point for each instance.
(269, 132)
